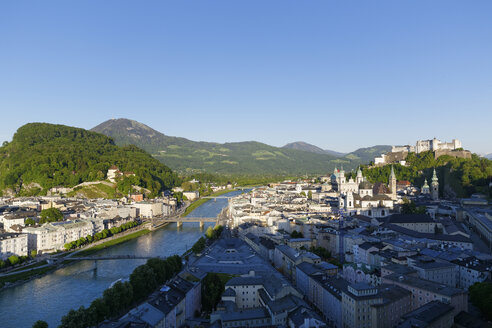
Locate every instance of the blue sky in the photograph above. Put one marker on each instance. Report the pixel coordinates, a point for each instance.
(338, 74)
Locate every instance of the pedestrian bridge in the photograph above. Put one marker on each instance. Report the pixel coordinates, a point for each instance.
(108, 258)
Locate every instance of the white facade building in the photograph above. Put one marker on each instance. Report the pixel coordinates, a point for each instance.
(13, 244)
(53, 236)
(149, 209)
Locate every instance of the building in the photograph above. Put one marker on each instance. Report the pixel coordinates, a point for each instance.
(425, 188)
(113, 173)
(245, 291)
(438, 271)
(471, 270)
(148, 209)
(54, 235)
(286, 258)
(325, 293)
(425, 291)
(434, 314)
(428, 145)
(368, 306)
(191, 195)
(434, 186)
(13, 244)
(417, 222)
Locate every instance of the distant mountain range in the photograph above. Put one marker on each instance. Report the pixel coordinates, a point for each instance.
(361, 155)
(187, 156)
(301, 145)
(488, 156)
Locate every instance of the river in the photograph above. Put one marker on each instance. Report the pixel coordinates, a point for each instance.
(50, 297)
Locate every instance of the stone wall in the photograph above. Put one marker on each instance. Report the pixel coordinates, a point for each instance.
(453, 153)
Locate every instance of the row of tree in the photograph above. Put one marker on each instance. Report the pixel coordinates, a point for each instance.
(122, 296)
(214, 233)
(100, 235)
(210, 234)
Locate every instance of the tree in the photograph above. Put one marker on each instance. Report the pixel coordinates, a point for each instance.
(218, 231)
(40, 324)
(50, 215)
(481, 296)
(34, 253)
(118, 297)
(409, 207)
(98, 311)
(14, 259)
(296, 234)
(159, 267)
(29, 221)
(303, 194)
(310, 195)
(321, 252)
(212, 289)
(210, 233)
(75, 319)
(143, 282)
(199, 246)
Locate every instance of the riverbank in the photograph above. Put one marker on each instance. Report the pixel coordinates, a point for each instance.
(14, 279)
(80, 282)
(113, 242)
(202, 201)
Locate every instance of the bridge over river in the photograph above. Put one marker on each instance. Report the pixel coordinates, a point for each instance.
(108, 258)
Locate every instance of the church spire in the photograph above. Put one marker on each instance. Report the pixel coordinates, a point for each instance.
(434, 177)
(435, 186)
(392, 183)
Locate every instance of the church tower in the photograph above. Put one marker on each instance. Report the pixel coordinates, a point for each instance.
(392, 183)
(359, 178)
(342, 176)
(435, 186)
(425, 188)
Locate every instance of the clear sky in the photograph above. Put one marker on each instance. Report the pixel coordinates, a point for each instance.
(338, 74)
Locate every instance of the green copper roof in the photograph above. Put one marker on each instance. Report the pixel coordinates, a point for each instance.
(434, 177)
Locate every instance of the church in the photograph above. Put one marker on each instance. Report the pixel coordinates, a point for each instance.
(433, 190)
(363, 198)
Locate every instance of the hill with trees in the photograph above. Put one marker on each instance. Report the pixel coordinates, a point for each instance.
(458, 177)
(243, 158)
(41, 156)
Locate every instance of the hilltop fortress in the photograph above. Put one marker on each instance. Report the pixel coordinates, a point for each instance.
(398, 154)
(426, 145)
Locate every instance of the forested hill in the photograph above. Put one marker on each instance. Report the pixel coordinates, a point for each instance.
(244, 158)
(42, 156)
(458, 177)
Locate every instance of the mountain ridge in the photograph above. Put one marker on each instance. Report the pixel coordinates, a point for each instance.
(246, 157)
(302, 145)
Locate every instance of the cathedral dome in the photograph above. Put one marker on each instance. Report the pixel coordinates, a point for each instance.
(365, 185)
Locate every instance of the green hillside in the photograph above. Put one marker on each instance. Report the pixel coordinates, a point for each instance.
(458, 177)
(245, 158)
(43, 155)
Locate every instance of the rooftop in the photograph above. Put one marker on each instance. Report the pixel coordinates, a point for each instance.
(430, 286)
